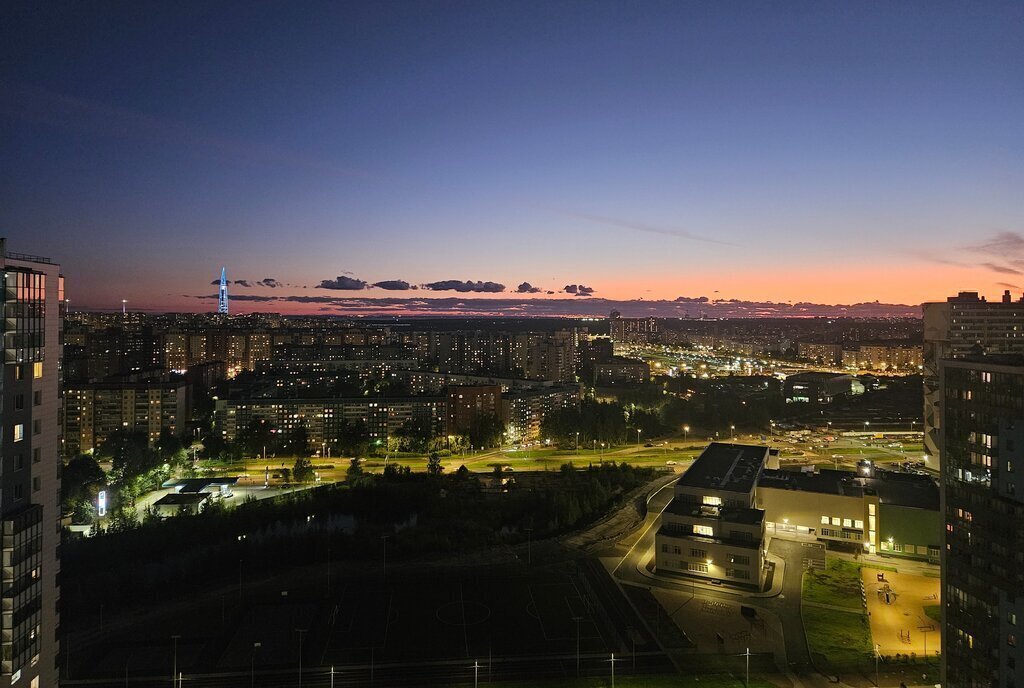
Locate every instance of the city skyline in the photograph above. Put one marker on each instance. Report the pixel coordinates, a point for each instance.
(737, 152)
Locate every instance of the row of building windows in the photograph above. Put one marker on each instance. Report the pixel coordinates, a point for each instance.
(845, 522)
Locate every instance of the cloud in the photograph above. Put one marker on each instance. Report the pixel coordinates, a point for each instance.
(1002, 244)
(394, 285)
(578, 289)
(1007, 285)
(215, 283)
(640, 227)
(1001, 269)
(269, 282)
(243, 283)
(527, 288)
(575, 307)
(692, 299)
(464, 287)
(343, 283)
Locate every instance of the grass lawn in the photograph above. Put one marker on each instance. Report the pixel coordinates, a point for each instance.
(657, 681)
(838, 584)
(934, 612)
(841, 639)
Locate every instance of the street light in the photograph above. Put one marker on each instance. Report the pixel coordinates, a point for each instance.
(686, 432)
(577, 443)
(252, 667)
(577, 619)
(732, 431)
(638, 438)
(612, 662)
(301, 632)
(174, 670)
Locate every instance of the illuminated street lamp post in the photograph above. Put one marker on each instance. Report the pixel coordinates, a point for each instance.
(612, 662)
(732, 431)
(638, 438)
(577, 443)
(686, 432)
(772, 424)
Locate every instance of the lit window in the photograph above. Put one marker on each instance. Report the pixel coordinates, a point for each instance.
(19, 432)
(824, 520)
(712, 501)
(37, 369)
(703, 530)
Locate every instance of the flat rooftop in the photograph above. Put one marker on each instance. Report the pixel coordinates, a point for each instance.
(817, 376)
(178, 499)
(186, 485)
(896, 489)
(724, 466)
(725, 513)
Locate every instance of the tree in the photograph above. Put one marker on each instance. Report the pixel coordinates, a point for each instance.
(355, 469)
(81, 479)
(297, 442)
(485, 430)
(415, 434)
(171, 448)
(256, 435)
(353, 438)
(302, 471)
(134, 464)
(434, 466)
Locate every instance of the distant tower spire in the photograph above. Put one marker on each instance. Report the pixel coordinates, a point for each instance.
(222, 303)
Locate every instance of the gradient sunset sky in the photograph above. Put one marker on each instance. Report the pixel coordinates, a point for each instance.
(818, 151)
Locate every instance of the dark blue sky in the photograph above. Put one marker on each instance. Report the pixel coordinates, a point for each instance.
(821, 151)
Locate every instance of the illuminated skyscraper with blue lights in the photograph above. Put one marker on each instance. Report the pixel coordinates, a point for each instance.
(222, 301)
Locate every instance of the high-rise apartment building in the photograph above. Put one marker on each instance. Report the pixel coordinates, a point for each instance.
(30, 393)
(632, 330)
(982, 444)
(960, 326)
(95, 411)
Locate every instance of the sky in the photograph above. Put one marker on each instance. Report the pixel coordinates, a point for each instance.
(764, 151)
